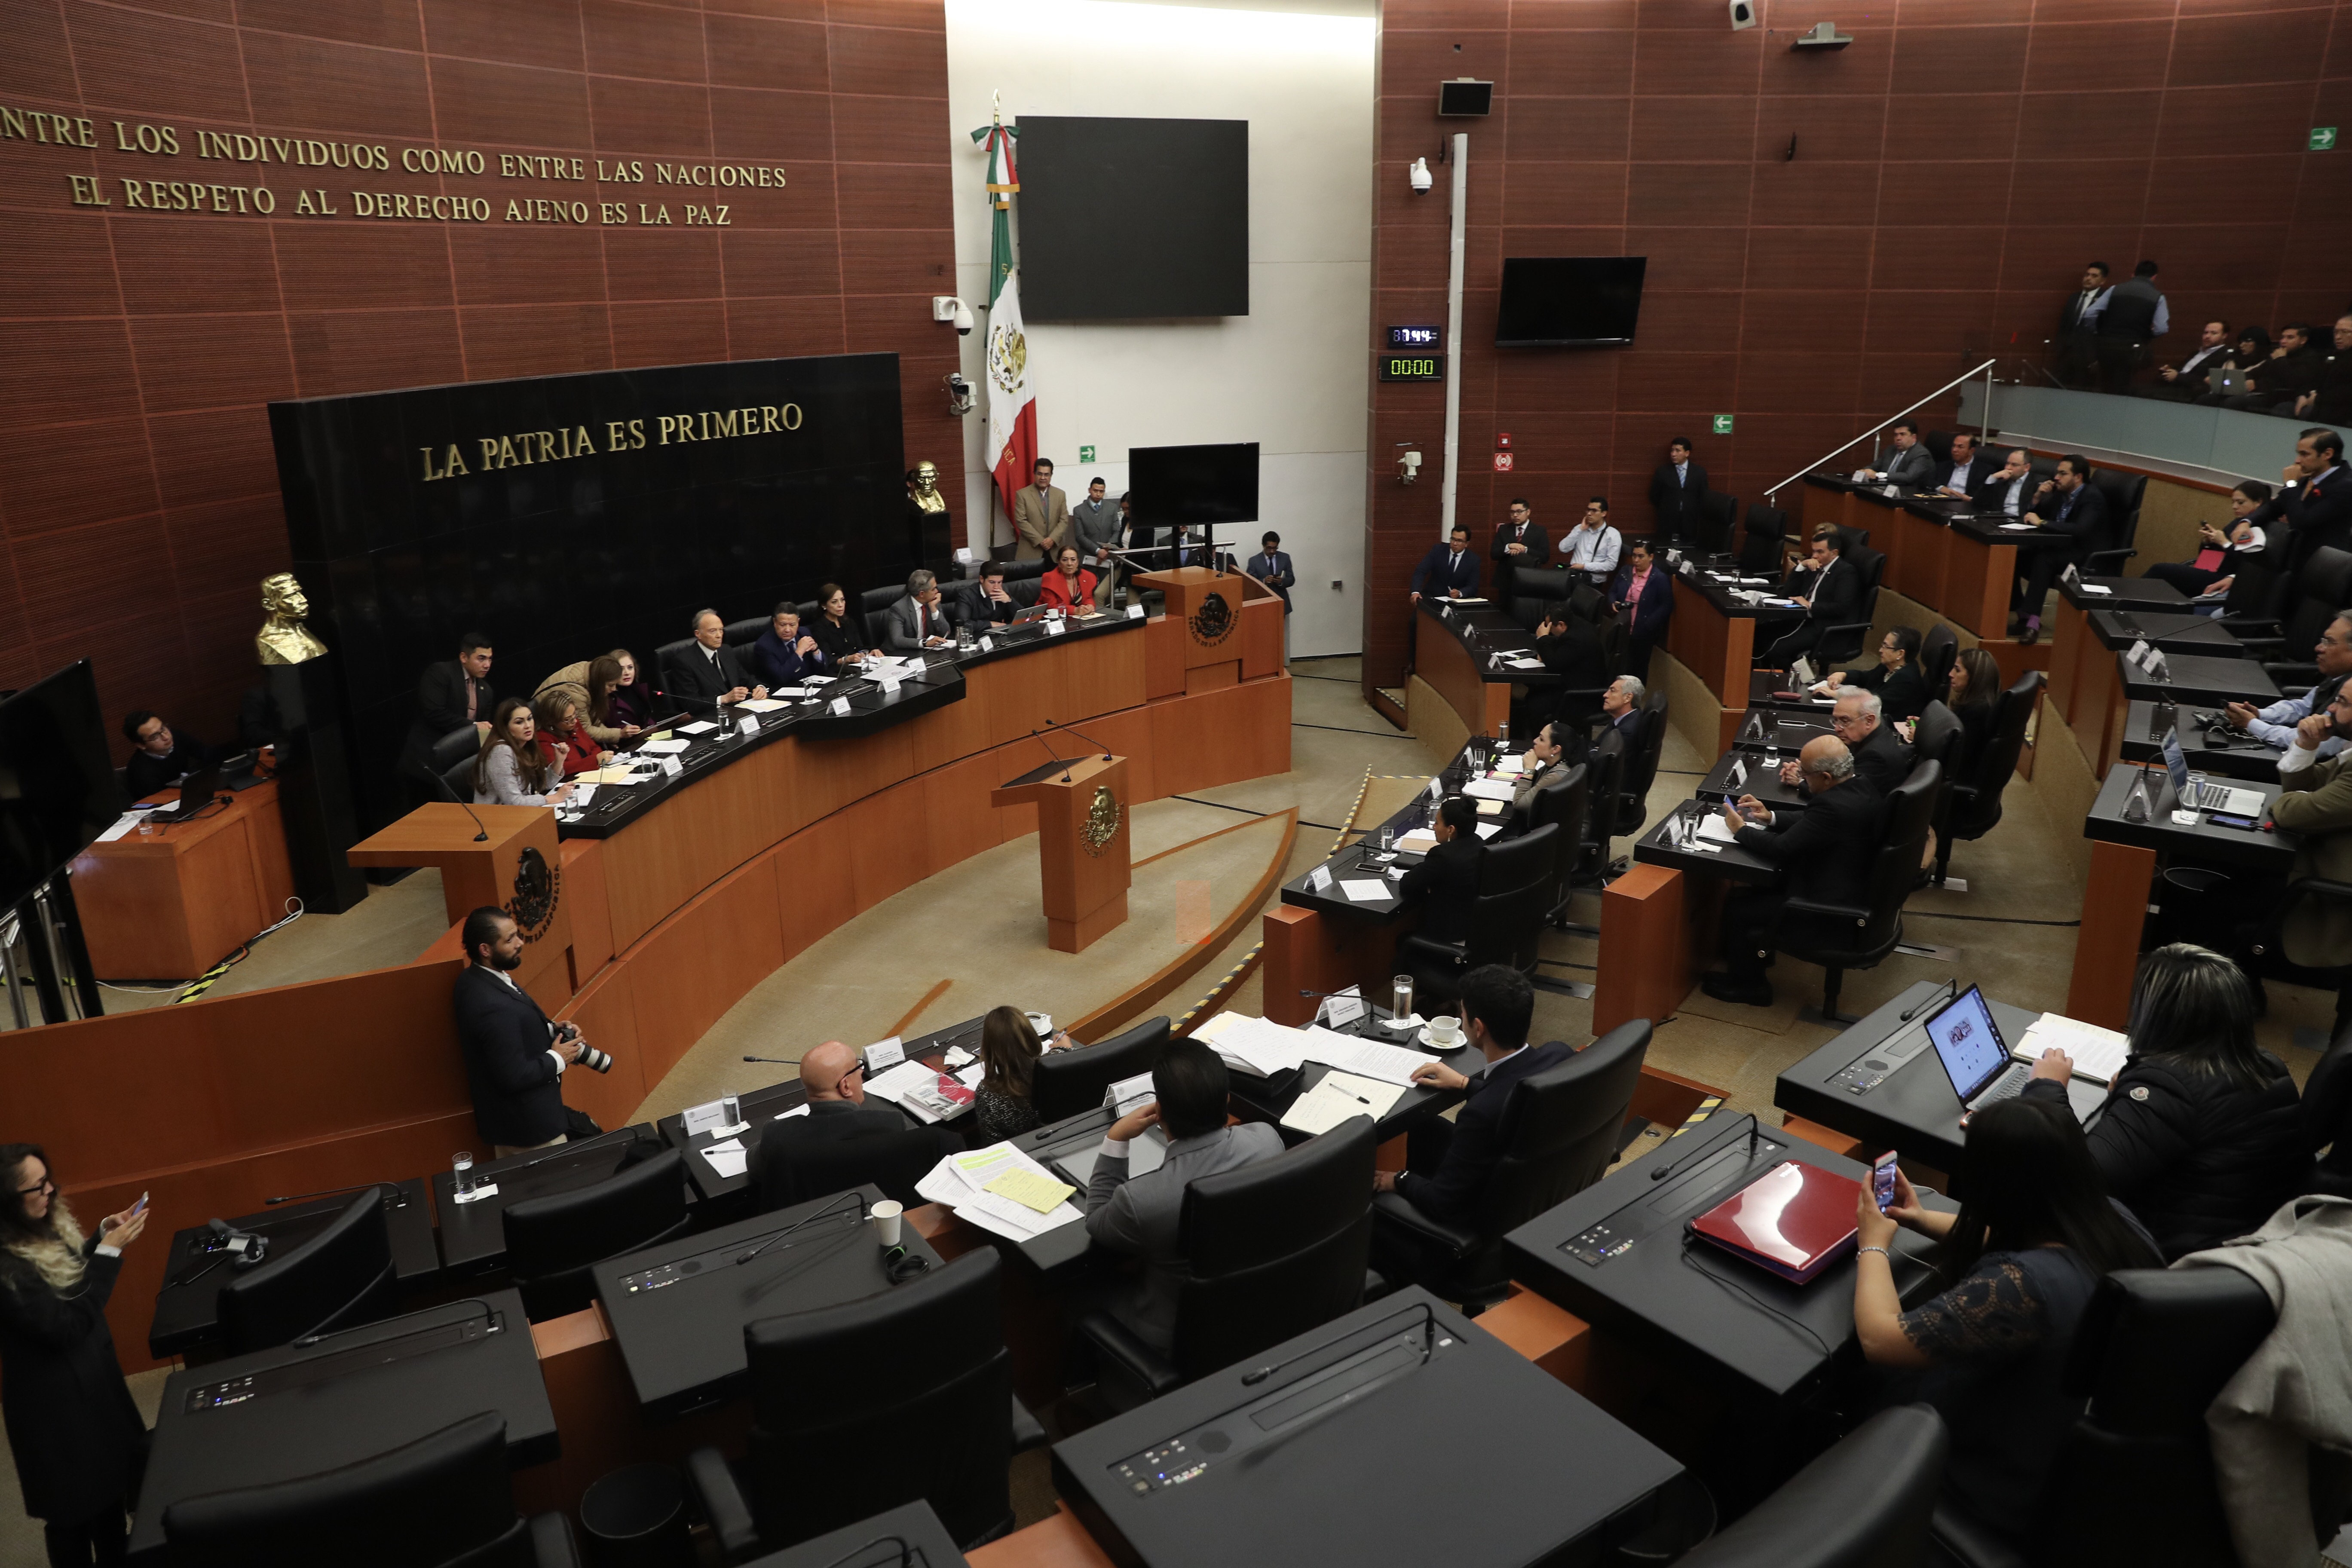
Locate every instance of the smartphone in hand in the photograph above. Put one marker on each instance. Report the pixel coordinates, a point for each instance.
(1882, 1181)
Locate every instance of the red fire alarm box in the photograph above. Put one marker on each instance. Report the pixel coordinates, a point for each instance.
(1502, 440)
(1502, 462)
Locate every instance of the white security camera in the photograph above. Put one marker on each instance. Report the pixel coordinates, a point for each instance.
(948, 308)
(1743, 14)
(1408, 466)
(1422, 178)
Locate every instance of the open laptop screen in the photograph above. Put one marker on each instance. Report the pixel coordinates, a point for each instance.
(2176, 762)
(1967, 1043)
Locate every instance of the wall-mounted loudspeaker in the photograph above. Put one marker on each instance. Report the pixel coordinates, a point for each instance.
(1463, 95)
(1743, 14)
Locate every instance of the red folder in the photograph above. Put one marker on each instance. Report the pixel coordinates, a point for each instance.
(1795, 1220)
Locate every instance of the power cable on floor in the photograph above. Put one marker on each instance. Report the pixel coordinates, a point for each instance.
(1986, 920)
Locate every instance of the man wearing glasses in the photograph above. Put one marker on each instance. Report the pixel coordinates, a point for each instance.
(833, 1077)
(1878, 755)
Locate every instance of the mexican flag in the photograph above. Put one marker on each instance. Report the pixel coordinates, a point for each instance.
(1011, 408)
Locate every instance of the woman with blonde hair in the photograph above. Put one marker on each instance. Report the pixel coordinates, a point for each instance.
(73, 1429)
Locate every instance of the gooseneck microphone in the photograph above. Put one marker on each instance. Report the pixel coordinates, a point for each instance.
(481, 834)
(1950, 988)
(1049, 754)
(1089, 740)
(1755, 1128)
(322, 1192)
(780, 1061)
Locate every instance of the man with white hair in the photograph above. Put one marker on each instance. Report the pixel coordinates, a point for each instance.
(1621, 706)
(1824, 853)
(709, 672)
(1879, 754)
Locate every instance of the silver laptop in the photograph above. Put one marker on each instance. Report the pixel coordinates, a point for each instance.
(2196, 792)
(1976, 1059)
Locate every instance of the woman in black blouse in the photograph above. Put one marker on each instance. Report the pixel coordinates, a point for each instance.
(1009, 1049)
(1902, 690)
(1974, 699)
(75, 1432)
(839, 636)
(2035, 1233)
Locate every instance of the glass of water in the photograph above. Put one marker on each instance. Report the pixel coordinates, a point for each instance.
(461, 1171)
(730, 1110)
(1400, 996)
(1387, 839)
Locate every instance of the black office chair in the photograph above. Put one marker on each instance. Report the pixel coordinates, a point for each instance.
(1848, 937)
(446, 1501)
(1865, 1503)
(1592, 862)
(1969, 806)
(1558, 1132)
(1937, 649)
(1536, 590)
(1066, 1082)
(2124, 493)
(1934, 736)
(2133, 1480)
(1717, 512)
(1638, 771)
(1843, 643)
(808, 1169)
(667, 659)
(1505, 919)
(871, 1404)
(1761, 546)
(341, 1277)
(460, 745)
(2324, 587)
(459, 776)
(1850, 539)
(2327, 1118)
(552, 1242)
(1562, 804)
(1270, 1251)
(1940, 447)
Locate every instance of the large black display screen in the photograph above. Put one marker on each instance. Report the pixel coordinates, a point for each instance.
(563, 516)
(57, 788)
(1123, 219)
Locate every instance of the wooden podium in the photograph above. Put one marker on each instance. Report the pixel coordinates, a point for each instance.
(1082, 809)
(517, 868)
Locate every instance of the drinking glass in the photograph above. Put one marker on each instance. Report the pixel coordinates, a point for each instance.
(1387, 839)
(1400, 996)
(730, 1110)
(461, 1171)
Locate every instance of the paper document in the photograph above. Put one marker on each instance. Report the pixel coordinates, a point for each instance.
(898, 1082)
(1027, 1188)
(1493, 807)
(121, 825)
(1712, 825)
(1420, 841)
(961, 1182)
(696, 728)
(1364, 892)
(1255, 1045)
(728, 1159)
(759, 705)
(2099, 1053)
(1338, 1097)
(1512, 764)
(1487, 789)
(1524, 663)
(669, 747)
(2016, 527)
(795, 1110)
(957, 1056)
(2103, 588)
(1489, 829)
(1366, 1058)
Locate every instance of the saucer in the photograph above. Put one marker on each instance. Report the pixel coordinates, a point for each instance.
(1459, 1041)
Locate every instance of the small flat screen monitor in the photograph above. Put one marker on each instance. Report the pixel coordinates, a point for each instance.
(1568, 301)
(57, 788)
(1194, 487)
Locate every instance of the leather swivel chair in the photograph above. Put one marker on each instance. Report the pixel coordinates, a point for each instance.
(1760, 543)
(1843, 643)
(1934, 736)
(1558, 1131)
(2324, 587)
(1536, 590)
(1562, 804)
(1860, 937)
(1066, 1082)
(1506, 921)
(552, 1242)
(1937, 649)
(459, 777)
(2135, 1480)
(340, 1276)
(1606, 768)
(807, 1169)
(1717, 511)
(2124, 493)
(1863, 1504)
(462, 744)
(870, 1403)
(1970, 805)
(445, 1501)
(1270, 1251)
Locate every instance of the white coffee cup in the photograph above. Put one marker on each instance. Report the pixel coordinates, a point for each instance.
(1444, 1030)
(885, 1216)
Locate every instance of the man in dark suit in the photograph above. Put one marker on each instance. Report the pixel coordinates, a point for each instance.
(2180, 382)
(1447, 1164)
(2078, 324)
(1448, 571)
(785, 655)
(1966, 470)
(1880, 757)
(449, 695)
(1644, 595)
(1445, 883)
(833, 1077)
(2070, 506)
(159, 757)
(1271, 567)
(710, 673)
(2008, 489)
(1824, 853)
(1621, 706)
(1904, 461)
(919, 621)
(2315, 504)
(1519, 542)
(1573, 659)
(1830, 587)
(1677, 493)
(990, 604)
(515, 1056)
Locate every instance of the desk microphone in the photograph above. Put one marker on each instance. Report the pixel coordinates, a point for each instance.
(1754, 1130)
(322, 1192)
(1089, 740)
(780, 1061)
(1951, 989)
(1049, 754)
(829, 1211)
(481, 834)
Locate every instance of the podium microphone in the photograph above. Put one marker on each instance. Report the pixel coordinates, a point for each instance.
(1049, 752)
(780, 1061)
(481, 834)
(1089, 740)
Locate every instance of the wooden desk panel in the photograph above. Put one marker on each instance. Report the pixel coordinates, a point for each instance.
(1441, 661)
(1919, 566)
(1720, 649)
(171, 904)
(2106, 945)
(1979, 578)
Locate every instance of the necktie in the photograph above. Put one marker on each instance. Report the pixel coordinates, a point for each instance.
(471, 691)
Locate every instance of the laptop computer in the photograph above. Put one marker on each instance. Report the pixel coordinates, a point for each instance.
(2199, 794)
(1976, 1059)
(196, 792)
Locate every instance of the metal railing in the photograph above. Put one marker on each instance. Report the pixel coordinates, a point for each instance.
(1871, 434)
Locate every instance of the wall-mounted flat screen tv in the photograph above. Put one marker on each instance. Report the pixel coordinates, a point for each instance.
(1568, 301)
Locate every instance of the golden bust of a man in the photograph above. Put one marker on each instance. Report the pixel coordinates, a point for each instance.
(923, 489)
(283, 639)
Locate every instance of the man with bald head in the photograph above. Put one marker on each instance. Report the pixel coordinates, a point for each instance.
(834, 1078)
(1824, 853)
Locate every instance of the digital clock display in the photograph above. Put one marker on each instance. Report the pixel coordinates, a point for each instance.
(1413, 337)
(1413, 368)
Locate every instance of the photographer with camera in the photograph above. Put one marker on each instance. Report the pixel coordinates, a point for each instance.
(515, 1055)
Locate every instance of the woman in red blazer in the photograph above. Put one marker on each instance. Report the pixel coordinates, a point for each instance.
(1068, 584)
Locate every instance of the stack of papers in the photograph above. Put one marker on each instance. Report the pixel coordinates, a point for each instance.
(727, 1158)
(1338, 1097)
(759, 705)
(696, 728)
(1000, 1189)
(1512, 764)
(915, 1089)
(1420, 841)
(1487, 789)
(1254, 1045)
(669, 747)
(1366, 1058)
(1366, 891)
(2099, 1053)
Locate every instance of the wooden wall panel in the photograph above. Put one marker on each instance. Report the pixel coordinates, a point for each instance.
(135, 338)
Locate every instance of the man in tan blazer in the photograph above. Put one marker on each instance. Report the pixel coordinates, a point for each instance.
(2318, 804)
(1041, 515)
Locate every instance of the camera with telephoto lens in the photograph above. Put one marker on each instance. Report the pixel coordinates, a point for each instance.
(590, 1056)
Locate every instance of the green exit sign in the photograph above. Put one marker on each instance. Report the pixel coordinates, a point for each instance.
(1086, 454)
(2323, 139)
(1723, 424)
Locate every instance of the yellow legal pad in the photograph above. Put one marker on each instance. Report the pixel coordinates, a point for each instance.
(1031, 1190)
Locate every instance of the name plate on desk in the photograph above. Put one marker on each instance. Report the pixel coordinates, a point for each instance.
(888, 683)
(988, 645)
(671, 766)
(1319, 879)
(838, 705)
(1056, 627)
(1135, 612)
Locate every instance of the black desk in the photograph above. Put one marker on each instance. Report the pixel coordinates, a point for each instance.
(2206, 844)
(2124, 594)
(871, 709)
(474, 1235)
(761, 1106)
(1762, 728)
(1652, 1291)
(1880, 1081)
(1270, 1099)
(1360, 860)
(295, 1411)
(185, 1315)
(1770, 689)
(1738, 773)
(1490, 1461)
(1726, 861)
(2248, 760)
(908, 1536)
(2175, 634)
(2199, 679)
(678, 1310)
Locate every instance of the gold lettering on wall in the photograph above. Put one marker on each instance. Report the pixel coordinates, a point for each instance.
(528, 448)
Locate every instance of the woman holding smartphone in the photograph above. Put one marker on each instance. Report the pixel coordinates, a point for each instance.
(76, 1435)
